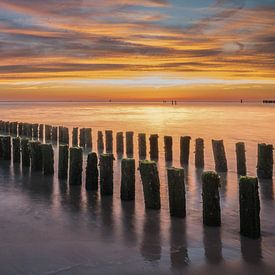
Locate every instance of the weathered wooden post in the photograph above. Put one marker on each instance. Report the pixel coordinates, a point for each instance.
(168, 148)
(142, 145)
(127, 187)
(1, 147)
(75, 137)
(88, 138)
(25, 152)
(154, 147)
(151, 185)
(219, 156)
(41, 132)
(199, 153)
(65, 135)
(100, 143)
(54, 134)
(106, 174)
(36, 156)
(119, 143)
(92, 172)
(48, 158)
(63, 157)
(211, 199)
(35, 130)
(176, 188)
(241, 159)
(6, 147)
(48, 132)
(129, 144)
(82, 138)
(109, 141)
(76, 162)
(265, 161)
(20, 129)
(29, 130)
(184, 150)
(250, 225)
(16, 149)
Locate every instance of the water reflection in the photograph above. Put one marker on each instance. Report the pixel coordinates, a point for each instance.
(75, 198)
(251, 250)
(107, 217)
(266, 189)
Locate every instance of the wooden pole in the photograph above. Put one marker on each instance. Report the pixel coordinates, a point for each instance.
(176, 188)
(109, 141)
(75, 137)
(199, 153)
(54, 134)
(35, 130)
(25, 152)
(142, 145)
(63, 157)
(127, 187)
(119, 143)
(66, 135)
(88, 138)
(76, 162)
(241, 159)
(211, 199)
(20, 129)
(16, 149)
(100, 143)
(6, 147)
(82, 138)
(92, 172)
(48, 158)
(184, 150)
(168, 148)
(249, 208)
(36, 156)
(151, 185)
(41, 132)
(219, 156)
(1, 147)
(48, 132)
(265, 161)
(154, 147)
(106, 174)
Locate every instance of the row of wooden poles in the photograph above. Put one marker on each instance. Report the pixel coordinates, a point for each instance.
(83, 138)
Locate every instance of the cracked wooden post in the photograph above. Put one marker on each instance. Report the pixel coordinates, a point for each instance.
(151, 185)
(88, 138)
(54, 134)
(142, 145)
(154, 147)
(176, 188)
(36, 156)
(75, 137)
(241, 159)
(109, 141)
(76, 163)
(47, 158)
(25, 152)
(6, 147)
(199, 153)
(265, 161)
(184, 150)
(119, 143)
(41, 132)
(129, 144)
(100, 142)
(48, 132)
(250, 225)
(16, 149)
(127, 187)
(82, 138)
(211, 199)
(106, 174)
(168, 148)
(219, 156)
(92, 172)
(63, 159)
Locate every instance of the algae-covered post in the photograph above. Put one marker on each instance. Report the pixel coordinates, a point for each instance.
(127, 187)
(119, 143)
(151, 184)
(199, 153)
(142, 145)
(63, 156)
(265, 161)
(219, 156)
(25, 152)
(168, 148)
(241, 159)
(36, 156)
(109, 141)
(129, 144)
(176, 188)
(250, 225)
(184, 150)
(100, 143)
(154, 147)
(76, 162)
(16, 149)
(211, 199)
(106, 174)
(75, 137)
(92, 172)
(48, 158)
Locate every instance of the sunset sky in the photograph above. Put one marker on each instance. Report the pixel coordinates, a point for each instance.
(137, 50)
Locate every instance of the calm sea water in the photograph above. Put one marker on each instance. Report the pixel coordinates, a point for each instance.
(48, 227)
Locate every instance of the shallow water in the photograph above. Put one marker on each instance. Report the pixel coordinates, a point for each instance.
(48, 227)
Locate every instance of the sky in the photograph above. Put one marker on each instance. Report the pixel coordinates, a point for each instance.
(137, 50)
